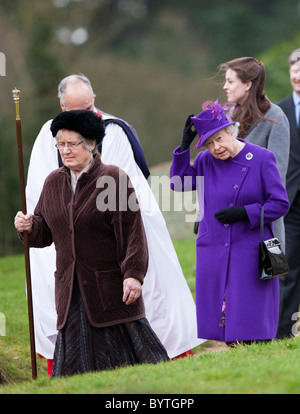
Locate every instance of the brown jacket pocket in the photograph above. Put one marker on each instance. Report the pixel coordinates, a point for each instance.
(110, 287)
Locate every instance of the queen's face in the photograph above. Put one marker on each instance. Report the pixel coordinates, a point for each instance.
(235, 89)
(75, 157)
(222, 145)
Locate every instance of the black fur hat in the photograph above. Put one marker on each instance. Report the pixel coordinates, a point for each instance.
(87, 123)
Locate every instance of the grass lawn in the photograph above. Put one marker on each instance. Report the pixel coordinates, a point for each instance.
(259, 368)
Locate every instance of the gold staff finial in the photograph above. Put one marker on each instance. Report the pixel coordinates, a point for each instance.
(16, 95)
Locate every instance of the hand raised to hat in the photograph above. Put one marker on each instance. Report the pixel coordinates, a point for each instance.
(188, 134)
(232, 214)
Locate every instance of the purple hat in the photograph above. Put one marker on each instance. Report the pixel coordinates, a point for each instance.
(210, 121)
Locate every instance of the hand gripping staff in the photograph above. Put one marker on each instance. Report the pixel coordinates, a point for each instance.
(16, 96)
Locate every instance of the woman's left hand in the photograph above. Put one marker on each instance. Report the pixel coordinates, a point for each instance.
(131, 290)
(232, 214)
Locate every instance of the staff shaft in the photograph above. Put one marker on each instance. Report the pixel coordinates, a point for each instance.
(21, 166)
(25, 240)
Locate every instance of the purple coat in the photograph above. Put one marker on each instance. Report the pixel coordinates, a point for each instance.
(227, 255)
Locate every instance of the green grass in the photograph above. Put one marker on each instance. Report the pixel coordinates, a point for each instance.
(186, 252)
(259, 368)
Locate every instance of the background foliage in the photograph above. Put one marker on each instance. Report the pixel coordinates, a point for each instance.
(151, 62)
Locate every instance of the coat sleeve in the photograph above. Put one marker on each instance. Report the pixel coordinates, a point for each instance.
(183, 175)
(43, 160)
(279, 142)
(132, 248)
(41, 235)
(275, 201)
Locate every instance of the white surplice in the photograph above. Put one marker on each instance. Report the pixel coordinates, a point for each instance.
(170, 308)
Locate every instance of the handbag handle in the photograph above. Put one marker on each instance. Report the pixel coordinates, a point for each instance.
(262, 224)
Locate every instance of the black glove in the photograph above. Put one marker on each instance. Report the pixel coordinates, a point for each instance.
(188, 134)
(232, 214)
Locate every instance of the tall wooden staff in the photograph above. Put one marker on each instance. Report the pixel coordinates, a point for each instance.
(16, 96)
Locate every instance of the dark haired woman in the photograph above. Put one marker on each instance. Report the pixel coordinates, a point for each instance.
(261, 122)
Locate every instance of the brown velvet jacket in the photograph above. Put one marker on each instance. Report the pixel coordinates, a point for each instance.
(101, 247)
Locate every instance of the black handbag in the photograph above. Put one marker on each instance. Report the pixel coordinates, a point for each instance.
(272, 261)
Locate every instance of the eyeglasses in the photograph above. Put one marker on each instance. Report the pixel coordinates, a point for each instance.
(70, 145)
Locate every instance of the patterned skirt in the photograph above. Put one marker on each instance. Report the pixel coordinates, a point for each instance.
(81, 348)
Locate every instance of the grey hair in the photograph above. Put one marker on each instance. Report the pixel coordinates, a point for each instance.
(294, 57)
(233, 129)
(72, 79)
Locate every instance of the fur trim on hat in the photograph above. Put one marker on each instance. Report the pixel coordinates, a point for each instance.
(86, 123)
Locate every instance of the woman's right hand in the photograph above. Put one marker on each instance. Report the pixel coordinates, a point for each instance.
(188, 134)
(23, 222)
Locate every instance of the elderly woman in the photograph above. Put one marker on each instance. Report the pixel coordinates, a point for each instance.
(233, 304)
(102, 254)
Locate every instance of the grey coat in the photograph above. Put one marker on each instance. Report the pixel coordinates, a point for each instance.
(276, 138)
